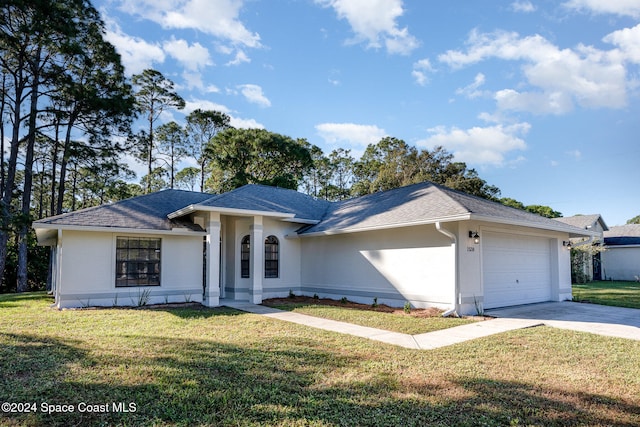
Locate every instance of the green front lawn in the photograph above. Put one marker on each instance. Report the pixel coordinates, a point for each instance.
(381, 317)
(199, 366)
(621, 294)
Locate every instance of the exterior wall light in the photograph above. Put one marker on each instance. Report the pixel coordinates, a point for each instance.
(475, 236)
(566, 244)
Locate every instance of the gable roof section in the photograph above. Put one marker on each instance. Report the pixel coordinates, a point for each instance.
(262, 199)
(584, 221)
(147, 212)
(424, 203)
(622, 235)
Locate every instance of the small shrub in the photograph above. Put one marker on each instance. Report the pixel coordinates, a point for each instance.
(407, 307)
(343, 300)
(375, 302)
(315, 296)
(187, 298)
(478, 304)
(142, 298)
(291, 294)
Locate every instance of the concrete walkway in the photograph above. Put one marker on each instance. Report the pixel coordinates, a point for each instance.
(598, 319)
(426, 341)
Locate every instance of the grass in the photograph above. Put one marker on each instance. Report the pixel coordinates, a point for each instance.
(374, 317)
(199, 366)
(621, 294)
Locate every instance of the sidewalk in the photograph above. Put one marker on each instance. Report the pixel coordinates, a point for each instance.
(426, 341)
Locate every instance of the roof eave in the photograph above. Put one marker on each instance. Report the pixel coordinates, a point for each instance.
(45, 230)
(561, 227)
(330, 232)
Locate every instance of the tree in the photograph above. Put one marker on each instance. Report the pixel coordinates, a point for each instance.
(187, 178)
(172, 146)
(392, 163)
(155, 94)
(156, 181)
(201, 127)
(256, 156)
(53, 58)
(545, 211)
(507, 201)
(634, 220)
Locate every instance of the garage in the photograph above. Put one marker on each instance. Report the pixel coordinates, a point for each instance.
(516, 269)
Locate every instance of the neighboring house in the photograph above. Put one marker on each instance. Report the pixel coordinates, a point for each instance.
(621, 260)
(423, 243)
(589, 262)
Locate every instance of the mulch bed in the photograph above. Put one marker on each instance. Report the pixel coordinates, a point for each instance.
(415, 312)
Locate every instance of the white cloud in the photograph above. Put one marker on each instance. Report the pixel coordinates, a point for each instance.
(616, 7)
(471, 91)
(420, 72)
(575, 154)
(137, 54)
(375, 22)
(524, 6)
(350, 133)
(206, 105)
(240, 58)
(628, 42)
(254, 94)
(480, 145)
(239, 123)
(203, 104)
(558, 78)
(193, 80)
(219, 18)
(194, 57)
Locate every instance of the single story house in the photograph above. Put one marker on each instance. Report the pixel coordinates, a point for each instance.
(590, 264)
(424, 244)
(621, 259)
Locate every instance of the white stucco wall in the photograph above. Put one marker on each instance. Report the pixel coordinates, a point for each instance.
(87, 271)
(289, 256)
(471, 287)
(621, 263)
(414, 264)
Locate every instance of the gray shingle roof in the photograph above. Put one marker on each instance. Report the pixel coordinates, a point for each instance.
(583, 221)
(420, 203)
(417, 203)
(263, 198)
(622, 235)
(143, 212)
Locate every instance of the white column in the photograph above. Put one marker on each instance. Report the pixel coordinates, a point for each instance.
(257, 260)
(212, 291)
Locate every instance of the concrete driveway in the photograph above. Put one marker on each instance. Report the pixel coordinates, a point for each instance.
(597, 319)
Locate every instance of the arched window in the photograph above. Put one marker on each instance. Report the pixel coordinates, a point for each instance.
(245, 256)
(271, 255)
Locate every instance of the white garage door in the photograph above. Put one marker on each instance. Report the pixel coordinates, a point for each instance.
(516, 269)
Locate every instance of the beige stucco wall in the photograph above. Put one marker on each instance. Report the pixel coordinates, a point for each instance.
(414, 264)
(87, 271)
(621, 263)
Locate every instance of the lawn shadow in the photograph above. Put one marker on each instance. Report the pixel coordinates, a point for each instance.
(194, 311)
(289, 379)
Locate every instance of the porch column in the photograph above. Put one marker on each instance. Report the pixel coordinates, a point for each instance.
(212, 292)
(257, 260)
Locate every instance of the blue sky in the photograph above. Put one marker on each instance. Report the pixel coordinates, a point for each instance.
(541, 97)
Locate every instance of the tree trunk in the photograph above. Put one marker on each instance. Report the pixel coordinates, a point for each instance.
(7, 197)
(25, 223)
(54, 165)
(63, 163)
